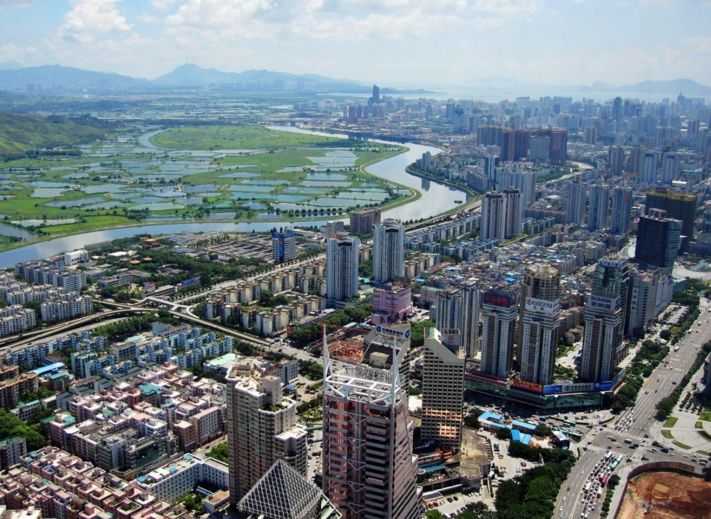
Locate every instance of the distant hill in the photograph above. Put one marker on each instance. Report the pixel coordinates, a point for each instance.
(21, 133)
(52, 79)
(688, 87)
(55, 77)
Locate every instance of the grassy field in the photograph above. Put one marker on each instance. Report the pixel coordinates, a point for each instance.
(671, 421)
(235, 138)
(667, 434)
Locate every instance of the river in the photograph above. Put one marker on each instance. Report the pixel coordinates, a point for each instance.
(436, 198)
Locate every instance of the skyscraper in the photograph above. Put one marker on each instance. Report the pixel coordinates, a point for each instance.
(681, 206)
(604, 319)
(261, 428)
(670, 167)
(368, 468)
(541, 313)
(616, 160)
(649, 168)
(342, 267)
(362, 220)
(283, 246)
(448, 315)
(621, 210)
(658, 240)
(469, 290)
(575, 201)
(599, 203)
(523, 180)
(388, 251)
(493, 216)
(442, 392)
(456, 314)
(514, 212)
(499, 312)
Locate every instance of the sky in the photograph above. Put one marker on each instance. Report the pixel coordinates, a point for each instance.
(400, 43)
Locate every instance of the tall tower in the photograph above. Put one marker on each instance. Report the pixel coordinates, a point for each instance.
(541, 312)
(621, 210)
(670, 167)
(261, 428)
(469, 328)
(368, 468)
(442, 392)
(388, 251)
(499, 312)
(599, 203)
(514, 212)
(616, 160)
(604, 319)
(342, 267)
(649, 168)
(283, 246)
(575, 203)
(493, 216)
(448, 315)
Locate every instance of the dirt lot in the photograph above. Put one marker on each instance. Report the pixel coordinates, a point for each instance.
(666, 495)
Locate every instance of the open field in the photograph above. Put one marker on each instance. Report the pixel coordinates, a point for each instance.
(666, 495)
(234, 138)
(120, 182)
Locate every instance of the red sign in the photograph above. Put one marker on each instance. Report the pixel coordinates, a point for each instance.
(527, 386)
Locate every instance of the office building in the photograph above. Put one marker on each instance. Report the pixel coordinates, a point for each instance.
(442, 392)
(283, 246)
(499, 310)
(391, 303)
(388, 251)
(649, 295)
(575, 201)
(540, 323)
(368, 468)
(493, 216)
(670, 167)
(605, 312)
(514, 212)
(621, 210)
(599, 204)
(261, 428)
(342, 253)
(658, 240)
(362, 220)
(681, 206)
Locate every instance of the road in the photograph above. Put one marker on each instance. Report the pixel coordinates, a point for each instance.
(635, 424)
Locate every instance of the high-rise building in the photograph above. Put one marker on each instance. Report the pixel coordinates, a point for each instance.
(368, 468)
(493, 216)
(342, 253)
(442, 392)
(599, 203)
(649, 168)
(540, 323)
(471, 299)
(362, 220)
(456, 314)
(447, 314)
(616, 160)
(658, 240)
(604, 320)
(575, 201)
(490, 170)
(621, 210)
(523, 180)
(650, 293)
(539, 148)
(670, 167)
(499, 310)
(376, 94)
(514, 212)
(388, 251)
(283, 246)
(261, 428)
(681, 206)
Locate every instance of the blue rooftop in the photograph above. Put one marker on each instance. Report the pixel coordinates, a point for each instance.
(520, 437)
(48, 368)
(491, 417)
(523, 425)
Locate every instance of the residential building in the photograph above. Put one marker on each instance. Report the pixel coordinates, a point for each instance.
(283, 246)
(493, 216)
(658, 240)
(599, 204)
(362, 220)
(514, 212)
(621, 210)
(499, 311)
(342, 253)
(388, 251)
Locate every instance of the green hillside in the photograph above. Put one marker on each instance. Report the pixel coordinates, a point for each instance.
(22, 133)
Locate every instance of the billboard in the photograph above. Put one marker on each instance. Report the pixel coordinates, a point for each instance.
(190, 282)
(542, 306)
(394, 331)
(527, 386)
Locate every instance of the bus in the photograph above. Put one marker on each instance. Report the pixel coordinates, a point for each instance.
(603, 479)
(587, 486)
(608, 455)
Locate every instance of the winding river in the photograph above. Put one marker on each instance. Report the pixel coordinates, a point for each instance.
(436, 198)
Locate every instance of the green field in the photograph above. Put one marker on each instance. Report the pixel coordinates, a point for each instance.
(235, 138)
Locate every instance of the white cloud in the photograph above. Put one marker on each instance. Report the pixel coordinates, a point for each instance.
(91, 18)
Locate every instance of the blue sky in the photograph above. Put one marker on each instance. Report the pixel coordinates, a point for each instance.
(393, 42)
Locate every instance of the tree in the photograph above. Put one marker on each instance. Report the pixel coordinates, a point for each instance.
(434, 514)
(220, 452)
(503, 433)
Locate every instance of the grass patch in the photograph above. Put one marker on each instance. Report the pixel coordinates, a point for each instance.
(229, 137)
(705, 434)
(705, 416)
(671, 421)
(699, 425)
(682, 445)
(703, 453)
(667, 434)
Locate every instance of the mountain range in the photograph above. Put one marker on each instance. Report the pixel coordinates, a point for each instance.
(56, 79)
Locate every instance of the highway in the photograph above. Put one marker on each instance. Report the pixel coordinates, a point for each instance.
(636, 424)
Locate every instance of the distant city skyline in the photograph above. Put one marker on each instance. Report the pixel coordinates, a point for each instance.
(529, 42)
